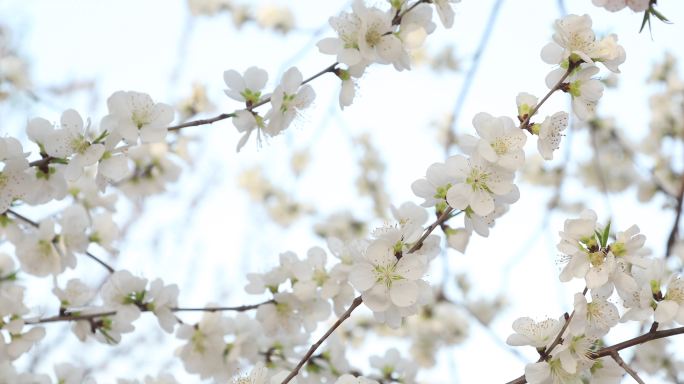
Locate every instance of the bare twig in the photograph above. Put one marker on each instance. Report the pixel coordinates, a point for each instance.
(442, 218)
(195, 123)
(90, 316)
(525, 123)
(559, 338)
(616, 356)
(357, 301)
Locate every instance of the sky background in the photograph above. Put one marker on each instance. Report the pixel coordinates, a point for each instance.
(205, 233)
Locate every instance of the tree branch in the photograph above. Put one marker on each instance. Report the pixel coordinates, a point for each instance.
(357, 301)
(616, 356)
(525, 123)
(76, 316)
(442, 218)
(559, 338)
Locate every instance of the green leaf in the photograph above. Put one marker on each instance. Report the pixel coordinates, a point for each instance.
(599, 237)
(606, 233)
(647, 15)
(660, 16)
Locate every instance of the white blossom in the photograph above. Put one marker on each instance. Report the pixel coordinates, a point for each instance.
(537, 334)
(133, 114)
(550, 134)
(477, 183)
(288, 99)
(383, 280)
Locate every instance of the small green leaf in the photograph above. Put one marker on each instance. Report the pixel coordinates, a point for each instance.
(606, 233)
(647, 19)
(660, 16)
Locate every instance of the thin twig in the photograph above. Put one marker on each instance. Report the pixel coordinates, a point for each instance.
(357, 301)
(240, 308)
(525, 123)
(559, 338)
(616, 356)
(90, 316)
(442, 218)
(195, 123)
(399, 16)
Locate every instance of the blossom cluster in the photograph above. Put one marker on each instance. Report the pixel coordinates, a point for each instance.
(366, 36)
(128, 151)
(614, 267)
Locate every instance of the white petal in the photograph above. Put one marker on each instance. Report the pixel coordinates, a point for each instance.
(666, 311)
(537, 373)
(404, 292)
(376, 298)
(482, 202)
(362, 276)
(458, 196)
(410, 267)
(255, 78)
(330, 46)
(552, 53)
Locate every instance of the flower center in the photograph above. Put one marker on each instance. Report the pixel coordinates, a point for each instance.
(386, 274)
(596, 258)
(198, 341)
(373, 37)
(478, 179)
(79, 145)
(140, 119)
(287, 100)
(500, 146)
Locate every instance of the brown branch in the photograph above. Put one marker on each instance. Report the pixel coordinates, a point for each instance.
(195, 123)
(357, 301)
(616, 356)
(42, 162)
(91, 316)
(397, 19)
(36, 225)
(525, 123)
(442, 218)
(559, 338)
